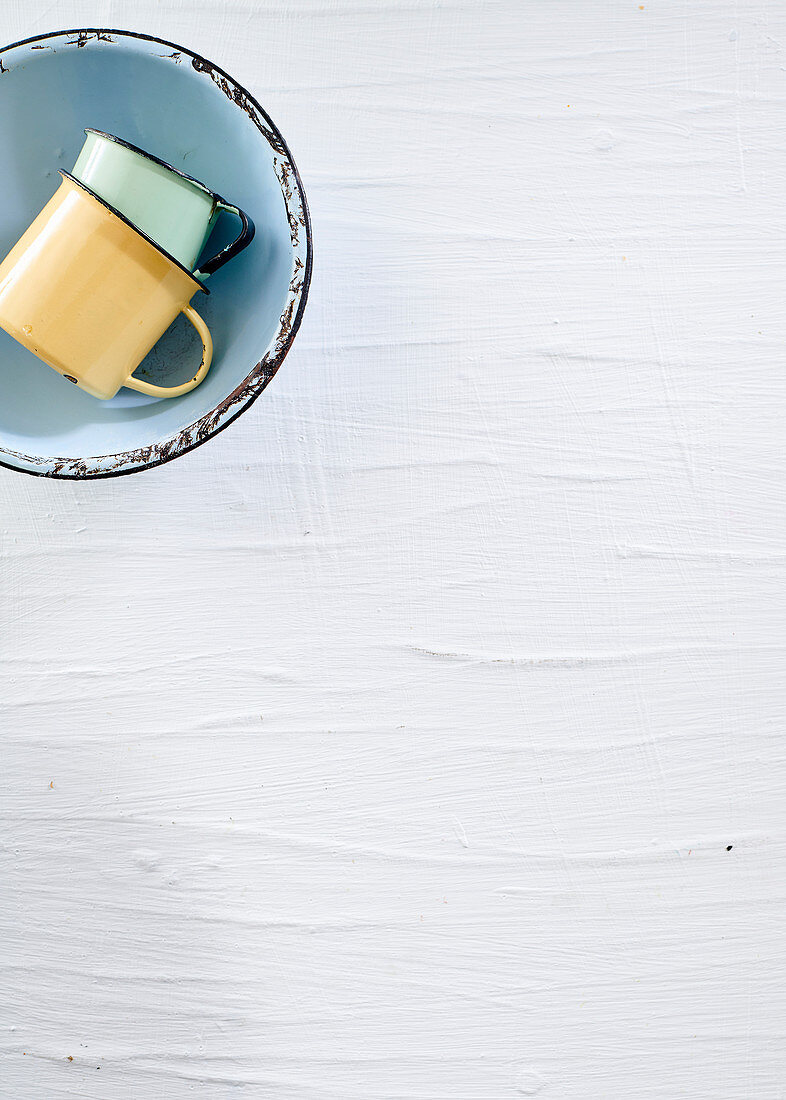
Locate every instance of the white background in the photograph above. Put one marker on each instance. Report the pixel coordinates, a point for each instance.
(389, 746)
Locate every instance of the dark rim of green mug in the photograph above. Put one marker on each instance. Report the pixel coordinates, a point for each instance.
(156, 160)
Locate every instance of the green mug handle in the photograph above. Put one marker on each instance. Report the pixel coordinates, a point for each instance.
(207, 356)
(243, 240)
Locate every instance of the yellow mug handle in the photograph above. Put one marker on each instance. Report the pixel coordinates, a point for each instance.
(207, 356)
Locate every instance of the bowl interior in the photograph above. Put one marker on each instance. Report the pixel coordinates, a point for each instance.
(156, 99)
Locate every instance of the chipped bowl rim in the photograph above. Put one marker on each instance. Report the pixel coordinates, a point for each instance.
(243, 396)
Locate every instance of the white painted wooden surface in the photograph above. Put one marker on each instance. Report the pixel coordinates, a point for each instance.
(390, 746)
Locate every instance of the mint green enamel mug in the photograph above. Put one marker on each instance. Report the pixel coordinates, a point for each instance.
(175, 210)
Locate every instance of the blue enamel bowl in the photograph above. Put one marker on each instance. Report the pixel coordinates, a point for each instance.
(190, 113)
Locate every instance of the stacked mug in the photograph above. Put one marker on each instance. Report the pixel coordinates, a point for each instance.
(110, 262)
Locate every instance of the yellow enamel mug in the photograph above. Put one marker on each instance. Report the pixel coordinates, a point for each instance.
(90, 295)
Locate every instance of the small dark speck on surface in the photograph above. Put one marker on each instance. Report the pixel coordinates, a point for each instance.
(729, 847)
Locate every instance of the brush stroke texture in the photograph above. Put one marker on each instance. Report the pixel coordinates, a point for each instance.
(421, 736)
